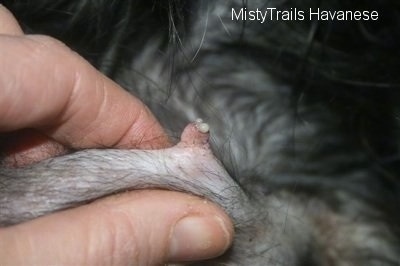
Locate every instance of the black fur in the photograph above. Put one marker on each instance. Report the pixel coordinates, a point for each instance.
(307, 111)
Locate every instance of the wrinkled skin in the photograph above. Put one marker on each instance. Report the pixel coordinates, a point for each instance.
(297, 184)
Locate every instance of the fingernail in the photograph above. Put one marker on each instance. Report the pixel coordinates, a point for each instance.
(198, 238)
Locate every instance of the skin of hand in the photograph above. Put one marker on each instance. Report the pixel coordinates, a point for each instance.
(65, 102)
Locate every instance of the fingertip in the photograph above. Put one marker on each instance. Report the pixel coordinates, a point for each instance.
(199, 238)
(176, 227)
(145, 132)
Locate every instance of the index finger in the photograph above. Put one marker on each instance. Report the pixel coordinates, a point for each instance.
(45, 85)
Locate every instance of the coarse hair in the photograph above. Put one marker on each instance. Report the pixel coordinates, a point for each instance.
(340, 77)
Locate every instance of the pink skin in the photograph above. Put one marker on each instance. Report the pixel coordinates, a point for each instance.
(74, 179)
(195, 134)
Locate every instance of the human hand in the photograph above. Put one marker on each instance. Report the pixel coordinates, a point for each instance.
(48, 88)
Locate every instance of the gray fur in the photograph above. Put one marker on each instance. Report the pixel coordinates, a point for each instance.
(301, 191)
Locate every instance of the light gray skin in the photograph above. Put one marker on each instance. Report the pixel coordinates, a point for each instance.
(258, 139)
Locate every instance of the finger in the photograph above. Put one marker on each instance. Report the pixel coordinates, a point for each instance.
(45, 85)
(8, 24)
(26, 146)
(139, 228)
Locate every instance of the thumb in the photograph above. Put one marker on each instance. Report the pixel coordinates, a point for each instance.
(136, 228)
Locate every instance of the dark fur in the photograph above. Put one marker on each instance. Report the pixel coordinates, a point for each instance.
(305, 112)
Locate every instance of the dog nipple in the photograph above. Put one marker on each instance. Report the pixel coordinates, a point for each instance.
(196, 133)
